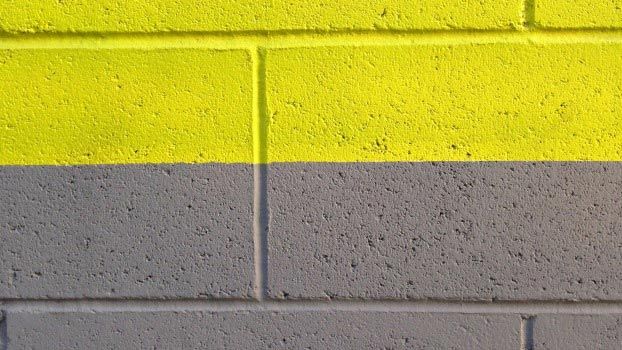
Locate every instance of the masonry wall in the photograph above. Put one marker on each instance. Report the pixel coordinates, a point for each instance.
(324, 174)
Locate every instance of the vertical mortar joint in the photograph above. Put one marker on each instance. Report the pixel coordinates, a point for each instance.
(529, 15)
(260, 174)
(526, 332)
(4, 335)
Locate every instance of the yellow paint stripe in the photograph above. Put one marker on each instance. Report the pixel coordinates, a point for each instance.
(506, 102)
(449, 102)
(125, 106)
(579, 13)
(247, 15)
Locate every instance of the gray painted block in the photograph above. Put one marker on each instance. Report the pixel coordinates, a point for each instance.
(158, 231)
(3, 331)
(446, 230)
(262, 330)
(578, 332)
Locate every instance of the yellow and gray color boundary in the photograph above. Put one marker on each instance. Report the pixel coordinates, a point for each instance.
(256, 174)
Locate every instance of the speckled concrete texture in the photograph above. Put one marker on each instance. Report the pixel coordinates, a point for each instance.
(485, 230)
(244, 15)
(262, 330)
(321, 174)
(445, 101)
(162, 231)
(578, 13)
(122, 106)
(578, 332)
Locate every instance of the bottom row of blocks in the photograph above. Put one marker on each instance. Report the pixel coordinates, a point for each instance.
(305, 329)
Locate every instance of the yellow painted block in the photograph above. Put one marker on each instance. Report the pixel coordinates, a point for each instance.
(579, 13)
(505, 102)
(240, 15)
(125, 106)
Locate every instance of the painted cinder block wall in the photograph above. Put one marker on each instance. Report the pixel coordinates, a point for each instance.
(323, 174)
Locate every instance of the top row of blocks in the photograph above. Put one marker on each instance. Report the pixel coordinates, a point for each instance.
(17, 16)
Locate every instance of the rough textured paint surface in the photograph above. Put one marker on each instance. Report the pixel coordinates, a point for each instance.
(125, 106)
(443, 174)
(263, 330)
(182, 231)
(457, 102)
(241, 15)
(578, 332)
(463, 102)
(446, 230)
(579, 13)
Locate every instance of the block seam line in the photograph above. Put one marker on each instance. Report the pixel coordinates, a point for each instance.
(247, 33)
(260, 175)
(529, 15)
(260, 113)
(4, 334)
(523, 308)
(277, 40)
(527, 325)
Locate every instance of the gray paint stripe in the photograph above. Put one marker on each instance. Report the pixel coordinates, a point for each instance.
(262, 330)
(578, 332)
(460, 231)
(154, 231)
